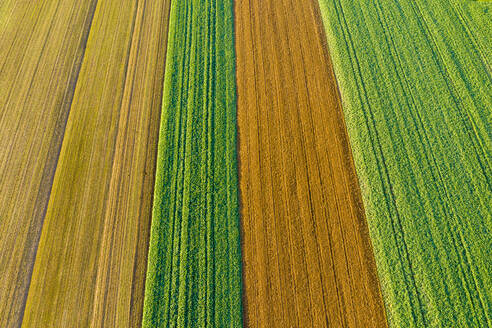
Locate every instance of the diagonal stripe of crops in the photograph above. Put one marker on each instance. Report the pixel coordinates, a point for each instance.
(416, 85)
(194, 269)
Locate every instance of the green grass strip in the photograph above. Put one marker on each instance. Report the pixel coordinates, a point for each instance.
(415, 80)
(194, 268)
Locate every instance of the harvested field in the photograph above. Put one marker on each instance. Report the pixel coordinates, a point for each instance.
(91, 260)
(42, 44)
(194, 272)
(416, 85)
(307, 258)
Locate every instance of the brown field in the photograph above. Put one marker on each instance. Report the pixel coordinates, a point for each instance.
(80, 92)
(306, 251)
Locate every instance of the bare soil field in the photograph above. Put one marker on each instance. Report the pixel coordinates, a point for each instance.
(307, 257)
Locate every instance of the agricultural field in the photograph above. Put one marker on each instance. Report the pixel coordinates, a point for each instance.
(93, 232)
(416, 87)
(40, 60)
(307, 257)
(194, 267)
(261, 163)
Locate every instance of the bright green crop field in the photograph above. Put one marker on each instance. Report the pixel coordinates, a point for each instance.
(416, 86)
(194, 269)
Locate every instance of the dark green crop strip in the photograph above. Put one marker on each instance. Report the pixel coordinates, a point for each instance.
(194, 269)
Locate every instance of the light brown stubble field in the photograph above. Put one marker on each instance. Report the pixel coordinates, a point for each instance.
(306, 251)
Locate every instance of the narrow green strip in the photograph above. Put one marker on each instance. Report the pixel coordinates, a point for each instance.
(416, 85)
(194, 268)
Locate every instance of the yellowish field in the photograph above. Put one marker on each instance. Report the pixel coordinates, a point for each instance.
(97, 68)
(41, 49)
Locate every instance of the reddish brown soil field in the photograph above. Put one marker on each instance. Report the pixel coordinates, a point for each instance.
(307, 256)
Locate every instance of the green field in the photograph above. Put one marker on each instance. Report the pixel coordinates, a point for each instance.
(194, 269)
(416, 86)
